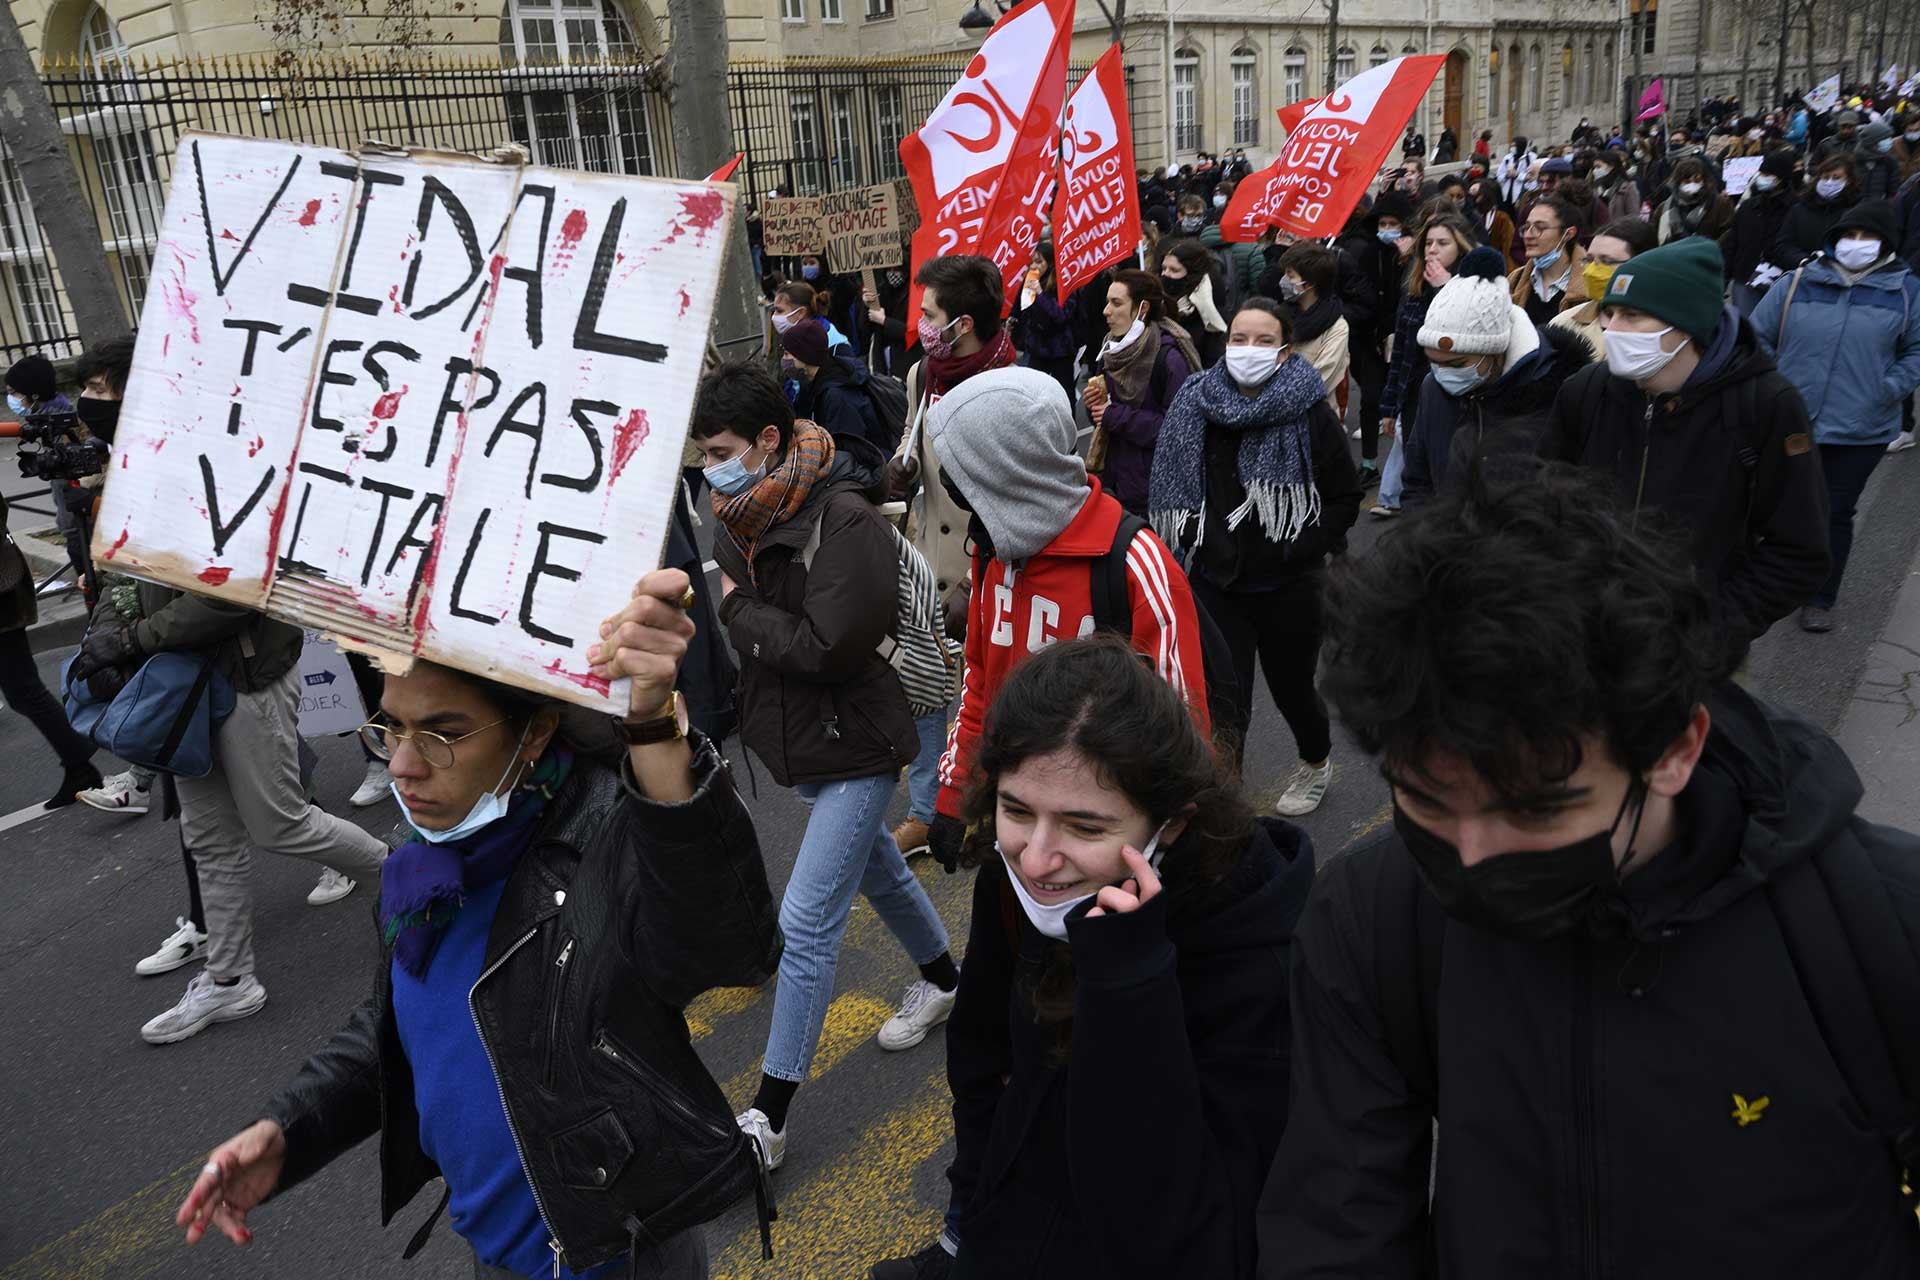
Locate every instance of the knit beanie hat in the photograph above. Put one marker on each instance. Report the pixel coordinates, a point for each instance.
(1779, 164)
(1871, 137)
(1473, 312)
(32, 376)
(1393, 203)
(1679, 283)
(1007, 441)
(807, 343)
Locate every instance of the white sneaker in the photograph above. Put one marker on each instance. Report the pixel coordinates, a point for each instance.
(1901, 443)
(118, 794)
(185, 946)
(1383, 511)
(772, 1146)
(332, 887)
(924, 1007)
(373, 788)
(1305, 789)
(206, 1001)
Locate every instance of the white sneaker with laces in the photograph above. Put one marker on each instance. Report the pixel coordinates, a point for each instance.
(186, 945)
(773, 1145)
(924, 1007)
(206, 1002)
(118, 794)
(1305, 789)
(332, 887)
(1901, 443)
(373, 788)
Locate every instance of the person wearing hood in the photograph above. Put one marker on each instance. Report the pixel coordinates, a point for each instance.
(1690, 418)
(1196, 295)
(1318, 324)
(1598, 945)
(808, 578)
(1491, 379)
(1552, 278)
(1141, 365)
(832, 387)
(1696, 205)
(1252, 479)
(1845, 329)
(1834, 190)
(1879, 167)
(1757, 222)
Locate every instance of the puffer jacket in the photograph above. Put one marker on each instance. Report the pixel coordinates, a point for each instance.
(1851, 348)
(1586, 1087)
(818, 702)
(623, 1133)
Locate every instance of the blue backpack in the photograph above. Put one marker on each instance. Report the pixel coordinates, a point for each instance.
(163, 718)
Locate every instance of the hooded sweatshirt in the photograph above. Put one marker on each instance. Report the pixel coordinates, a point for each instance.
(1179, 1023)
(1587, 1083)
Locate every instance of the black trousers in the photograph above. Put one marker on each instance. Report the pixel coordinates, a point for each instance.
(1847, 468)
(1370, 372)
(1282, 629)
(21, 687)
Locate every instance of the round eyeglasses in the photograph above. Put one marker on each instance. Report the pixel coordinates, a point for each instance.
(435, 748)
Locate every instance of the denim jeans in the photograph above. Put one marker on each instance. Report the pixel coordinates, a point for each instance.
(923, 775)
(846, 847)
(1391, 476)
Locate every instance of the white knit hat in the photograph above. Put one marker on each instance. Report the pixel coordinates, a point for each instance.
(1473, 312)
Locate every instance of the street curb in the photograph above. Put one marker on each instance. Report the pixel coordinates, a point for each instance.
(62, 622)
(1878, 729)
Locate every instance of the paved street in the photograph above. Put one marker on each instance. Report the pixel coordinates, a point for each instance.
(103, 1132)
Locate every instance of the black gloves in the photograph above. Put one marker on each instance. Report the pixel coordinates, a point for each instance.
(944, 839)
(105, 648)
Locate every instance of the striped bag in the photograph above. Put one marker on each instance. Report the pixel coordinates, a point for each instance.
(927, 662)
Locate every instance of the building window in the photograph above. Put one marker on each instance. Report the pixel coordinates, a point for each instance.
(1493, 84)
(809, 175)
(877, 9)
(830, 11)
(793, 10)
(1609, 87)
(1343, 63)
(1536, 79)
(890, 114)
(843, 115)
(1186, 101)
(34, 301)
(1378, 57)
(1566, 74)
(122, 151)
(1515, 66)
(1293, 73)
(1646, 20)
(1246, 99)
(1588, 69)
(605, 130)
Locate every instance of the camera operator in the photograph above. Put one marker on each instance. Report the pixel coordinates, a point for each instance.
(60, 445)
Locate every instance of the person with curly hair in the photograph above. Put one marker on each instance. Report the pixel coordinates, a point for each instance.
(1665, 931)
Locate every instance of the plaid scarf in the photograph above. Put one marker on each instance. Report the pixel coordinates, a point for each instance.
(779, 494)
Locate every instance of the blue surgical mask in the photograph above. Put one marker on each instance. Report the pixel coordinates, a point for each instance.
(809, 271)
(488, 809)
(16, 405)
(1546, 260)
(1389, 235)
(1457, 380)
(731, 477)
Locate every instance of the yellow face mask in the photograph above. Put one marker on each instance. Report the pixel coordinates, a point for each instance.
(1598, 275)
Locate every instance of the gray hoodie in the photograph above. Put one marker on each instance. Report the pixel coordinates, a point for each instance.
(1006, 441)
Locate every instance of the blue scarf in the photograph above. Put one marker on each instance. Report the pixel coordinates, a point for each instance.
(1275, 460)
(423, 886)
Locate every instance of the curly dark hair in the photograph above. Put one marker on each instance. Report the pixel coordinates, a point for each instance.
(1507, 622)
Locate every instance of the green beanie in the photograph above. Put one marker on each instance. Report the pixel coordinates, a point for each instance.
(1680, 283)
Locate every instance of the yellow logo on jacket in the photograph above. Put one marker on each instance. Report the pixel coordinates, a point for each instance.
(1746, 1113)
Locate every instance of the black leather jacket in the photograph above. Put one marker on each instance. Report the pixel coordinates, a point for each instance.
(619, 914)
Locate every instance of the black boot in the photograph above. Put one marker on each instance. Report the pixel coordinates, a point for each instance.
(76, 778)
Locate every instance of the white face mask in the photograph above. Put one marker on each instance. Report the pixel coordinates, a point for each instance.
(1692, 188)
(1765, 182)
(1855, 254)
(1828, 188)
(1219, 201)
(785, 320)
(1911, 137)
(1883, 146)
(1638, 356)
(1253, 366)
(1458, 379)
(1602, 172)
(1050, 918)
(1125, 340)
(489, 808)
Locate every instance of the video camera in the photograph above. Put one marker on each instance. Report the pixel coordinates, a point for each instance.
(54, 454)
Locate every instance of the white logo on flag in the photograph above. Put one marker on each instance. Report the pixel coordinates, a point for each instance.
(973, 129)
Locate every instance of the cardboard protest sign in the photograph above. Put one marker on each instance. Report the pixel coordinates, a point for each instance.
(425, 403)
(1096, 217)
(790, 226)
(1738, 173)
(861, 229)
(329, 699)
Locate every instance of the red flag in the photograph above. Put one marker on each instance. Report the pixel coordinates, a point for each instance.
(982, 166)
(725, 171)
(1327, 162)
(1294, 112)
(1096, 219)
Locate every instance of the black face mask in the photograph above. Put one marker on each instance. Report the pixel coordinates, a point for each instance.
(100, 416)
(953, 491)
(1529, 896)
(1177, 289)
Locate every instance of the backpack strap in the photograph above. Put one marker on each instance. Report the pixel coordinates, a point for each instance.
(1792, 286)
(1856, 968)
(1107, 580)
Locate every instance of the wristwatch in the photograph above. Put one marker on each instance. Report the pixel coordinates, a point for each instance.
(667, 724)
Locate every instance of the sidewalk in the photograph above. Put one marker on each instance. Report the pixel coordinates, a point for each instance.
(1879, 727)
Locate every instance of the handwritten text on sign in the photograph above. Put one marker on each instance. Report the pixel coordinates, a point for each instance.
(858, 230)
(422, 402)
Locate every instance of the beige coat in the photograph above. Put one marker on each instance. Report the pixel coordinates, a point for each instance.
(1330, 358)
(1585, 321)
(936, 527)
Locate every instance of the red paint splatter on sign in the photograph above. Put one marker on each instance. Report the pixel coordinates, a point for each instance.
(573, 227)
(627, 439)
(235, 393)
(215, 575)
(166, 341)
(120, 541)
(257, 445)
(702, 210)
(227, 235)
(312, 212)
(686, 300)
(389, 404)
(179, 301)
(587, 681)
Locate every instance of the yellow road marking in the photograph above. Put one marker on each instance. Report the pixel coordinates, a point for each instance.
(851, 1021)
(124, 1241)
(1364, 829)
(717, 1005)
(841, 1219)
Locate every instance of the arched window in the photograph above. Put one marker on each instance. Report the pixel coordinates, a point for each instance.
(1293, 73)
(1378, 56)
(1515, 68)
(561, 122)
(1609, 87)
(1536, 79)
(1566, 74)
(1186, 100)
(1343, 63)
(1245, 67)
(1587, 76)
(1493, 84)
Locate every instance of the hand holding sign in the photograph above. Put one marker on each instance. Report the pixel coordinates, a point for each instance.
(645, 641)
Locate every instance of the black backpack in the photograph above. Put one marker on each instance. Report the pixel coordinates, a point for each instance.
(888, 395)
(1107, 592)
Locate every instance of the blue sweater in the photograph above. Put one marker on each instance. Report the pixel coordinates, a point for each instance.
(463, 1123)
(1852, 349)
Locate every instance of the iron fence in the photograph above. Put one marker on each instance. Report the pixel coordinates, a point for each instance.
(806, 126)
